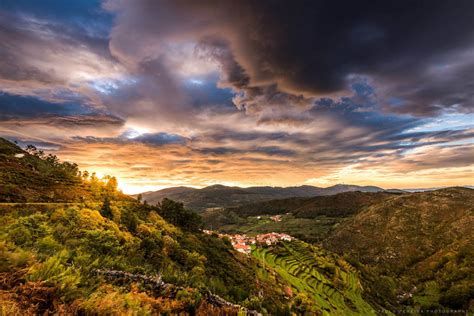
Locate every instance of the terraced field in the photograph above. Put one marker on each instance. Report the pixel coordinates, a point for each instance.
(330, 282)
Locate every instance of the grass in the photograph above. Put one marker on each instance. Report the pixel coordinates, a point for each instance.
(330, 282)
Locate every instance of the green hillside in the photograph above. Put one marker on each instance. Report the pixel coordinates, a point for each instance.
(320, 281)
(420, 246)
(51, 255)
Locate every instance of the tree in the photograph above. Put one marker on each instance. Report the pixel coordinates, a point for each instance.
(106, 210)
(176, 214)
(129, 219)
(95, 185)
(31, 149)
(85, 175)
(111, 185)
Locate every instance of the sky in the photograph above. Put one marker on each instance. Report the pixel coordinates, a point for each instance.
(281, 93)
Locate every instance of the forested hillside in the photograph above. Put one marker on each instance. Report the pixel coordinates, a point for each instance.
(418, 248)
(346, 203)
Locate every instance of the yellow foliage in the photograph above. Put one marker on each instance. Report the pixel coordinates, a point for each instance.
(91, 218)
(116, 214)
(108, 300)
(145, 229)
(58, 214)
(156, 219)
(127, 236)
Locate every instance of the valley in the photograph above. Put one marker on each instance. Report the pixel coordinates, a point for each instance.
(307, 229)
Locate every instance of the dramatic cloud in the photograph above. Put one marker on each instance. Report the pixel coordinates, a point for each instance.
(313, 48)
(185, 92)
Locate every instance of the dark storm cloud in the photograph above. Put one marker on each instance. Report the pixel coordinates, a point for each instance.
(448, 83)
(242, 90)
(219, 49)
(310, 48)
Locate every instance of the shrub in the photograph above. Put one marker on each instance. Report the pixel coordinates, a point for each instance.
(28, 229)
(12, 258)
(54, 272)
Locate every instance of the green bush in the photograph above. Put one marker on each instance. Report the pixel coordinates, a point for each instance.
(55, 272)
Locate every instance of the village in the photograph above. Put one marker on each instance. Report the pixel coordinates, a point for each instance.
(243, 243)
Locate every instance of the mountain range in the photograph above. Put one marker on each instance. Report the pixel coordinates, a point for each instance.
(224, 196)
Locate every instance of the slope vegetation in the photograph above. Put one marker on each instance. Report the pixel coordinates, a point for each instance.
(424, 241)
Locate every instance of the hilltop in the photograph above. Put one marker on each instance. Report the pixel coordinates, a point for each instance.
(32, 176)
(224, 196)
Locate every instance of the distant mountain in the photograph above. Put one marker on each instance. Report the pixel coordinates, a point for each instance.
(340, 188)
(435, 188)
(423, 239)
(396, 191)
(159, 195)
(340, 204)
(224, 196)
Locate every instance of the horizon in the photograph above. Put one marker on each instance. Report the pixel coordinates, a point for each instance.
(243, 93)
(409, 189)
(405, 189)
